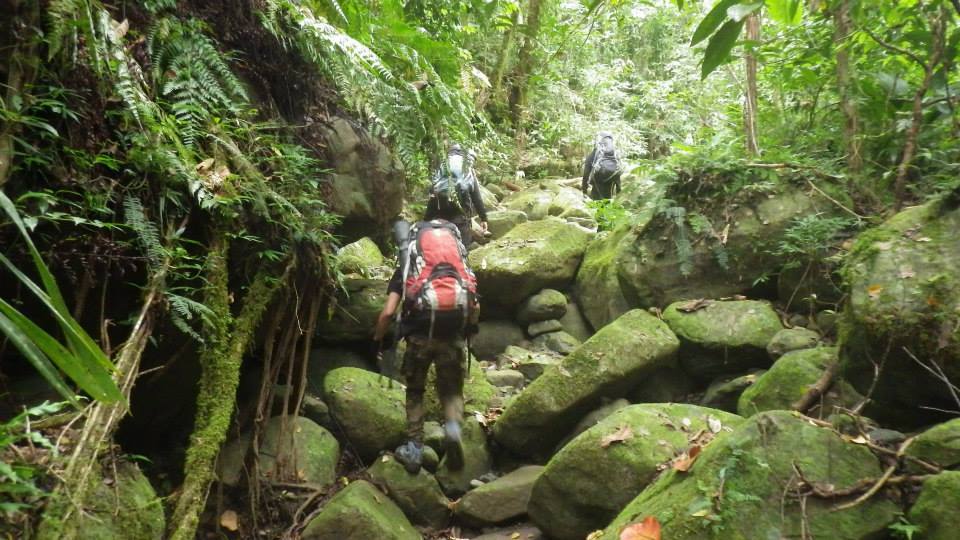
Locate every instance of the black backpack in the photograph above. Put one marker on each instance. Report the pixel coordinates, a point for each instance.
(606, 162)
(451, 182)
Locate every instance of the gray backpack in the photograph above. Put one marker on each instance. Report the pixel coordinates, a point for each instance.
(453, 180)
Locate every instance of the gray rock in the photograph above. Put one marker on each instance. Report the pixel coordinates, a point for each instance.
(369, 408)
(500, 500)
(792, 339)
(575, 324)
(530, 363)
(724, 392)
(544, 327)
(315, 409)
(827, 322)
(494, 337)
(477, 460)
(558, 342)
(355, 316)
(506, 377)
(515, 532)
(545, 305)
(418, 495)
(500, 222)
(359, 512)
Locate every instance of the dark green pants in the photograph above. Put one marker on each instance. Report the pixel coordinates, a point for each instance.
(449, 358)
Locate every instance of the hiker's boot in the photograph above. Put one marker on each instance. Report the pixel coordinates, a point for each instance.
(410, 455)
(453, 448)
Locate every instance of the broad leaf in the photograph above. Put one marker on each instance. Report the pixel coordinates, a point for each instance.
(740, 11)
(785, 11)
(712, 21)
(40, 362)
(719, 47)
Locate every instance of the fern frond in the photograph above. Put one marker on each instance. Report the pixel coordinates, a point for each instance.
(146, 231)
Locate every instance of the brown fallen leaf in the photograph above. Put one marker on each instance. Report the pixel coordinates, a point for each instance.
(229, 520)
(686, 459)
(648, 529)
(873, 291)
(623, 433)
(694, 305)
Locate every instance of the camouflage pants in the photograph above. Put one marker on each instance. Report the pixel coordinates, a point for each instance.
(449, 358)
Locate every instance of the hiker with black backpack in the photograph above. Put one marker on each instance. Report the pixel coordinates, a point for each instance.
(602, 168)
(435, 294)
(455, 194)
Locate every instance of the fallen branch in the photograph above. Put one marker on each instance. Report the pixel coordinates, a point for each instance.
(830, 492)
(879, 483)
(817, 389)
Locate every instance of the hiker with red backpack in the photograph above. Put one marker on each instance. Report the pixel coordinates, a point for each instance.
(455, 194)
(602, 168)
(434, 293)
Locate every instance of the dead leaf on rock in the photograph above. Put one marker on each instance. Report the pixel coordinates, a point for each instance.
(623, 433)
(873, 291)
(694, 305)
(686, 459)
(229, 520)
(906, 273)
(563, 371)
(648, 529)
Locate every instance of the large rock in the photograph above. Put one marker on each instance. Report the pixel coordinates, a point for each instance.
(575, 324)
(494, 337)
(724, 392)
(359, 512)
(545, 305)
(558, 342)
(719, 338)
(591, 479)
(792, 339)
(418, 495)
(638, 264)
(361, 257)
(739, 488)
(786, 381)
(125, 507)
(356, 312)
(550, 200)
(477, 460)
(904, 306)
(500, 222)
(502, 500)
(609, 364)
(939, 445)
(368, 407)
(531, 363)
(533, 256)
(935, 511)
(367, 182)
(324, 359)
(293, 450)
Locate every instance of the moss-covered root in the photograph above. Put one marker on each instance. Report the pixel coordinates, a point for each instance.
(228, 339)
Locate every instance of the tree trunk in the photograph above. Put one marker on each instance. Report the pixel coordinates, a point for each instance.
(228, 338)
(21, 61)
(750, 100)
(521, 78)
(503, 59)
(938, 42)
(851, 124)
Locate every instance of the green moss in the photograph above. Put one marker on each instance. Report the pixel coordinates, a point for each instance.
(360, 257)
(738, 487)
(418, 495)
(609, 364)
(368, 407)
(598, 284)
(787, 381)
(359, 512)
(936, 509)
(939, 445)
(587, 483)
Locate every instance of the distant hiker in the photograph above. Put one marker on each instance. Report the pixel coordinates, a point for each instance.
(436, 293)
(455, 193)
(602, 168)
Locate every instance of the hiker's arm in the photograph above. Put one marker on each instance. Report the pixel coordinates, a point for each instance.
(617, 183)
(383, 321)
(587, 165)
(478, 202)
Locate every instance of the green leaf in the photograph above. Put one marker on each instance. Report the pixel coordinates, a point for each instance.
(719, 47)
(788, 12)
(712, 21)
(40, 362)
(740, 11)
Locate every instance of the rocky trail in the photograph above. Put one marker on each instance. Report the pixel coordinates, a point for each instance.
(610, 385)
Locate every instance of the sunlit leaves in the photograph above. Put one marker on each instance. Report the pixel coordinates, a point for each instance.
(712, 21)
(719, 46)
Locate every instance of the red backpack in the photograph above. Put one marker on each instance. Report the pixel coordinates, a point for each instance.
(438, 284)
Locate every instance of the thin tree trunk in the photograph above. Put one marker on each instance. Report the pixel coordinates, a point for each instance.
(851, 123)
(228, 339)
(521, 79)
(938, 41)
(503, 60)
(750, 100)
(21, 64)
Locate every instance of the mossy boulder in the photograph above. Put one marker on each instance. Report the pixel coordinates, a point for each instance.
(739, 487)
(324, 359)
(544, 327)
(608, 365)
(939, 445)
(477, 392)
(549, 200)
(935, 511)
(477, 460)
(598, 290)
(724, 392)
(722, 337)
(359, 512)
(590, 479)
(545, 305)
(368, 407)
(792, 339)
(786, 381)
(558, 342)
(360, 257)
(574, 323)
(356, 312)
(126, 507)
(500, 222)
(904, 302)
(531, 363)
(295, 449)
(533, 256)
(502, 500)
(418, 495)
(494, 337)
